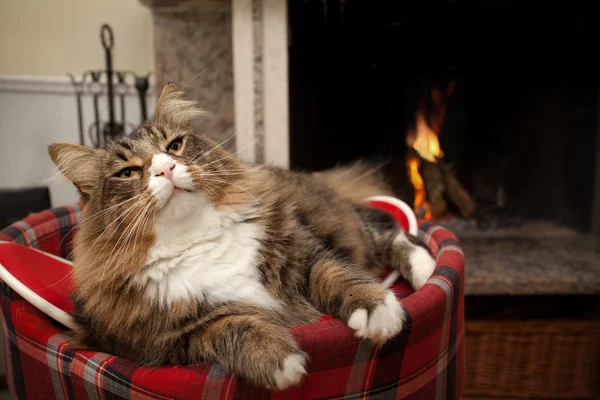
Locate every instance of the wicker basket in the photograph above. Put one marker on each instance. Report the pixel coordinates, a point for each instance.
(557, 359)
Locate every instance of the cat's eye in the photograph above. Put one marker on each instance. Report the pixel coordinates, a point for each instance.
(175, 145)
(126, 172)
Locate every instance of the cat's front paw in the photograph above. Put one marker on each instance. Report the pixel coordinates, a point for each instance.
(384, 322)
(291, 371)
(421, 266)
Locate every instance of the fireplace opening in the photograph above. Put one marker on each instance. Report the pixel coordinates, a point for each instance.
(486, 119)
(485, 115)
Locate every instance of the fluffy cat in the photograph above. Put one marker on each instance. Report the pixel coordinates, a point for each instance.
(186, 254)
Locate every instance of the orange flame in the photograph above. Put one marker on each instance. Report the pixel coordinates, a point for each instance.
(420, 203)
(424, 140)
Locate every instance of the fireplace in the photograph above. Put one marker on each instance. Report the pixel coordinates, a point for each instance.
(509, 89)
(518, 91)
(508, 102)
(314, 83)
(486, 118)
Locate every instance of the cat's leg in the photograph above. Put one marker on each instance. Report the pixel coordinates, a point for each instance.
(356, 297)
(408, 255)
(391, 247)
(260, 352)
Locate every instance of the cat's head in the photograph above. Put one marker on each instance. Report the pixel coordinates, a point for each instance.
(162, 168)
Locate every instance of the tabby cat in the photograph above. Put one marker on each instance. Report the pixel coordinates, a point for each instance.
(185, 254)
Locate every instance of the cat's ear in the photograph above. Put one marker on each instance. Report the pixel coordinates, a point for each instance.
(79, 164)
(172, 110)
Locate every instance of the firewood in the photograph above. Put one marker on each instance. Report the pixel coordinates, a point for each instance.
(456, 192)
(434, 186)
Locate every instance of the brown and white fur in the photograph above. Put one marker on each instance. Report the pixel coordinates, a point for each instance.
(186, 254)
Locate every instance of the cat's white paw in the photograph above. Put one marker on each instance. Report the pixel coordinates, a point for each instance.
(291, 372)
(421, 266)
(385, 321)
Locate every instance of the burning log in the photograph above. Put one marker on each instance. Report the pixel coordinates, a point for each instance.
(438, 187)
(435, 186)
(434, 182)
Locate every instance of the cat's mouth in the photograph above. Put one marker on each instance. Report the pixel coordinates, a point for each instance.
(175, 202)
(179, 189)
(175, 192)
(168, 187)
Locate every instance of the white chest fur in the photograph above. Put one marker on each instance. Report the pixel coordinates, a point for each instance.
(209, 256)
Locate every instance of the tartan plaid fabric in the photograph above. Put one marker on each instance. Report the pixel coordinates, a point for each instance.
(425, 362)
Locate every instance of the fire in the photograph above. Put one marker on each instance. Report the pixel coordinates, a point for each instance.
(434, 184)
(424, 140)
(420, 204)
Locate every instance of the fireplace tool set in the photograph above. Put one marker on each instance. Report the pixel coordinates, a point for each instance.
(113, 86)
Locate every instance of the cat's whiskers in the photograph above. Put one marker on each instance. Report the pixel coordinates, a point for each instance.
(87, 219)
(234, 185)
(167, 69)
(233, 154)
(242, 170)
(106, 228)
(226, 174)
(132, 237)
(122, 217)
(202, 155)
(215, 186)
(194, 77)
(128, 234)
(125, 231)
(126, 191)
(116, 246)
(56, 177)
(91, 217)
(206, 186)
(146, 213)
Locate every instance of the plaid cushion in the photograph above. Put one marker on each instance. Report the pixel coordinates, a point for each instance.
(425, 362)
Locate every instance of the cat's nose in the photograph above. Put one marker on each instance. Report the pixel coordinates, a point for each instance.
(165, 170)
(162, 165)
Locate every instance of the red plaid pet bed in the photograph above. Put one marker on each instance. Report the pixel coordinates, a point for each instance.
(425, 362)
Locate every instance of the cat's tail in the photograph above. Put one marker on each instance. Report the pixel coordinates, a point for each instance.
(357, 181)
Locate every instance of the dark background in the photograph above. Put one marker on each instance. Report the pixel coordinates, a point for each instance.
(523, 118)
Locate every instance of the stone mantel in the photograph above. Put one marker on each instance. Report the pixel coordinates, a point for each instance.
(232, 55)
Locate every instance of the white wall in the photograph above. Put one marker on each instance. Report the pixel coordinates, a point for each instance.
(40, 41)
(35, 112)
(52, 37)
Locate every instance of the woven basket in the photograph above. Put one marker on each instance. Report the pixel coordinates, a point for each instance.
(533, 359)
